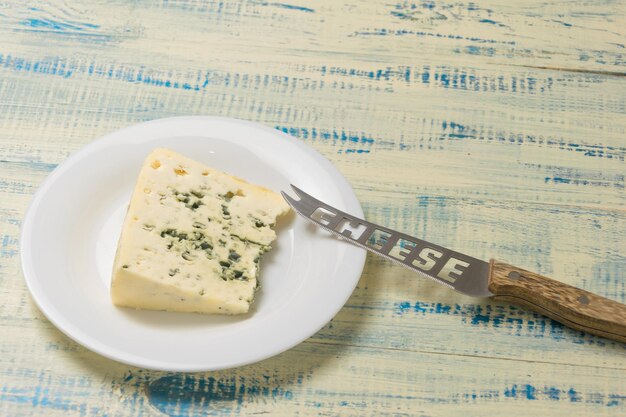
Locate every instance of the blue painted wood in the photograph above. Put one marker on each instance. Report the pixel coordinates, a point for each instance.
(496, 129)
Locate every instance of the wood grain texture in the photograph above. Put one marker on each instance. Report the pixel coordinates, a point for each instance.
(494, 128)
(576, 308)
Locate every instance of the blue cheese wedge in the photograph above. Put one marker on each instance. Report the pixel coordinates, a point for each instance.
(193, 238)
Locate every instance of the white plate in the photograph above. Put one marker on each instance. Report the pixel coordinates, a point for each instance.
(70, 234)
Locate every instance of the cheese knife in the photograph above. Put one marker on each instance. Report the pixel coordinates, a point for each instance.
(574, 307)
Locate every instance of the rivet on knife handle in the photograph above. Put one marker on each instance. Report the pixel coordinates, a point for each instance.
(569, 305)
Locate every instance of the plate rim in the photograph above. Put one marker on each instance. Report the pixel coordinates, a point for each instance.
(65, 325)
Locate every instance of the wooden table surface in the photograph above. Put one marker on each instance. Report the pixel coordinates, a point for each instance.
(495, 128)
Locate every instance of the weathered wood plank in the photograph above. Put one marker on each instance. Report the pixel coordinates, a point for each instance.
(496, 129)
(311, 379)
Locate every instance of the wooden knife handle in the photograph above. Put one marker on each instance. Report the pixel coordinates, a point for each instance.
(575, 308)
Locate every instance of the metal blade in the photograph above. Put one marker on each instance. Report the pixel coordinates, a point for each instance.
(453, 269)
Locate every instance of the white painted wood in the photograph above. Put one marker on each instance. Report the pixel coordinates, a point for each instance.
(494, 128)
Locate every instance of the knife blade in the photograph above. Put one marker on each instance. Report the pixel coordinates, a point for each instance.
(572, 306)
